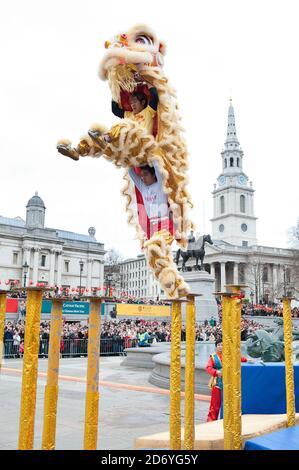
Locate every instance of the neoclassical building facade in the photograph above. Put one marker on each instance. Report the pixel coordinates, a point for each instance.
(137, 280)
(54, 257)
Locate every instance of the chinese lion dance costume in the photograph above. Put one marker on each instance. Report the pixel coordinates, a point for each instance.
(131, 146)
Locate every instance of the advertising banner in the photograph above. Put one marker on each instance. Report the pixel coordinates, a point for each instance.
(143, 310)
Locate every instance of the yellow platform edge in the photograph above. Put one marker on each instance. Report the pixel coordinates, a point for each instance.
(209, 436)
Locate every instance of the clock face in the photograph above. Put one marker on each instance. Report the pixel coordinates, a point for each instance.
(244, 228)
(242, 179)
(221, 180)
(221, 228)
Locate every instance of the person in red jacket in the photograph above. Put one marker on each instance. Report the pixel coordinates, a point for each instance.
(214, 368)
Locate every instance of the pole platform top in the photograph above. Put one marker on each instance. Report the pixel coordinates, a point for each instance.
(286, 297)
(227, 294)
(236, 286)
(179, 300)
(3, 291)
(193, 295)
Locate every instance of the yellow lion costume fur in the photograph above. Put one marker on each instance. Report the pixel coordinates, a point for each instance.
(139, 50)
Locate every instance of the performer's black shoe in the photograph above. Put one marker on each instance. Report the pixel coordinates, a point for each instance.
(68, 151)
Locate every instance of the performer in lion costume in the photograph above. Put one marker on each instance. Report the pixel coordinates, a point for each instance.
(133, 63)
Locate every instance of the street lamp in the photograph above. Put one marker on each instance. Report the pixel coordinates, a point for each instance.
(251, 296)
(81, 264)
(109, 280)
(25, 268)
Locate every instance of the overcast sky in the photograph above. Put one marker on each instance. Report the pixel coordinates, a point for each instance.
(49, 89)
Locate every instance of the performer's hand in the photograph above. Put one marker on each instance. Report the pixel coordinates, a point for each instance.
(138, 77)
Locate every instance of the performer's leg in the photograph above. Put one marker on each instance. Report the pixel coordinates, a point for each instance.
(159, 257)
(86, 147)
(215, 404)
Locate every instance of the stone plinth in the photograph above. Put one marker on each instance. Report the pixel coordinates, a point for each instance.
(201, 282)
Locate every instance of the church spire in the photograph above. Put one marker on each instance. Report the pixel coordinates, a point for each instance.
(231, 137)
(232, 154)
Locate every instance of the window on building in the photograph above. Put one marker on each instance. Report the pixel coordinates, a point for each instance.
(265, 274)
(66, 266)
(231, 161)
(222, 205)
(225, 163)
(43, 261)
(238, 161)
(242, 203)
(15, 258)
(244, 243)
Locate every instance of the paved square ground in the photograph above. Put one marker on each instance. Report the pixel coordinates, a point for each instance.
(125, 413)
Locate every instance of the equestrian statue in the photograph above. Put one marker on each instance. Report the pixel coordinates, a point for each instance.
(196, 249)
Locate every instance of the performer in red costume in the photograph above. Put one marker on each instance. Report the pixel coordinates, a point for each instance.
(214, 368)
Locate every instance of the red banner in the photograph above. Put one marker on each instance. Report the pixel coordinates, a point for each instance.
(12, 305)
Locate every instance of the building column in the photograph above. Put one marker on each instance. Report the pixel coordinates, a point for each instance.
(101, 273)
(35, 265)
(223, 277)
(212, 270)
(89, 273)
(59, 268)
(52, 267)
(236, 273)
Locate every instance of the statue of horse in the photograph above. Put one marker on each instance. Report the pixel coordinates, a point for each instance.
(196, 249)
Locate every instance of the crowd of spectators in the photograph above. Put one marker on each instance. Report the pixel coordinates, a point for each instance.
(266, 310)
(128, 331)
(247, 308)
(125, 331)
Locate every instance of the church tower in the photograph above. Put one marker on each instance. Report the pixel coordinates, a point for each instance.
(233, 212)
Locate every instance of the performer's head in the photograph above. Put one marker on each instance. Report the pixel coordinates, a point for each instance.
(148, 175)
(138, 101)
(218, 344)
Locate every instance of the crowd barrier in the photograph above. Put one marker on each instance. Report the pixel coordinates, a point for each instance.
(73, 347)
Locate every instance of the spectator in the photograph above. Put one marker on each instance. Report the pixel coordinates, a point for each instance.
(143, 338)
(16, 343)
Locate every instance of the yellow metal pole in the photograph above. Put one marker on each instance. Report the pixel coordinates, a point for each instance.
(175, 377)
(30, 366)
(2, 321)
(236, 368)
(51, 389)
(189, 374)
(227, 372)
(289, 371)
(92, 385)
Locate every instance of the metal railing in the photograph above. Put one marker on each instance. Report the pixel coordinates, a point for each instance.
(73, 347)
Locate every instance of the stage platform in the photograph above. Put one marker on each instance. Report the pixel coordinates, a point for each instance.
(286, 439)
(209, 436)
